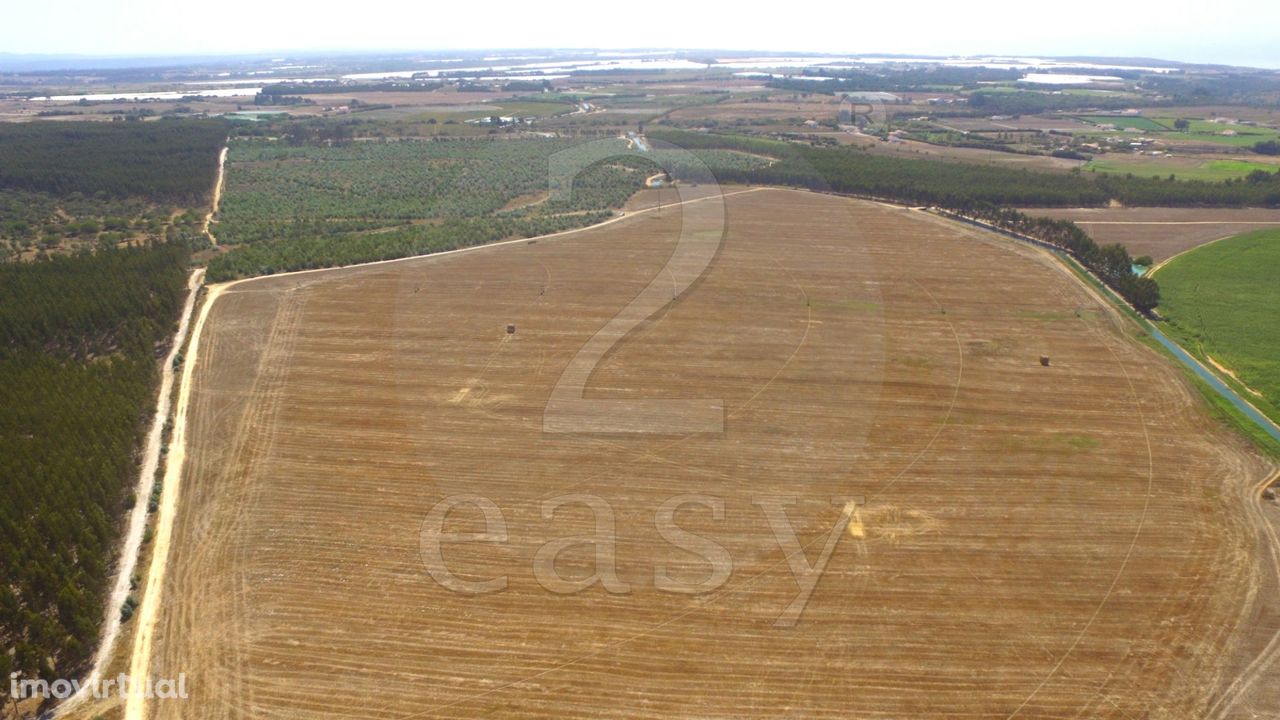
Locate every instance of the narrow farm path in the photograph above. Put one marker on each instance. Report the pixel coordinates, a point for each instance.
(217, 195)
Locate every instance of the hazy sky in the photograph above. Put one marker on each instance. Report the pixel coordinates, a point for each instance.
(1225, 31)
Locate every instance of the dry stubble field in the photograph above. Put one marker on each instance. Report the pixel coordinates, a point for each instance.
(1163, 232)
(1030, 542)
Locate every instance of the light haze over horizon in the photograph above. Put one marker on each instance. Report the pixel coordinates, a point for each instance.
(1235, 32)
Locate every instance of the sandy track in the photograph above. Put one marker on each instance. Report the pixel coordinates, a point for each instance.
(140, 658)
(217, 195)
(137, 519)
(1022, 551)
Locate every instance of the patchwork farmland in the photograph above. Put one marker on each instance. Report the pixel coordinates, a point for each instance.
(1022, 540)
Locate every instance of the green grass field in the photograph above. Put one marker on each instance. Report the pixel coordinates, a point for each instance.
(1205, 131)
(1221, 300)
(1241, 140)
(1219, 406)
(1209, 170)
(1122, 123)
(1213, 128)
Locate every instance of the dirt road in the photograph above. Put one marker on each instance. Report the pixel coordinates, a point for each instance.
(146, 616)
(138, 516)
(217, 195)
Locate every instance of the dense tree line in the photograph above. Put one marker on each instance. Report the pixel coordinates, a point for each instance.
(966, 185)
(978, 141)
(1258, 189)
(976, 102)
(79, 338)
(1234, 87)
(270, 100)
(891, 79)
(165, 161)
(527, 86)
(1030, 102)
(1111, 263)
(1267, 147)
(922, 182)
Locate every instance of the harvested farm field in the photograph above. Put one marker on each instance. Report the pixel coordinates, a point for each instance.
(1163, 232)
(1006, 539)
